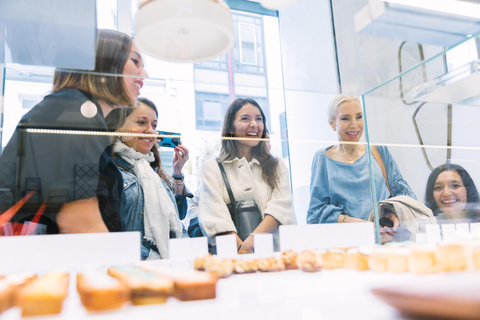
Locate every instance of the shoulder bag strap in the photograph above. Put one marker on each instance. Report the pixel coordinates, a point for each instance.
(378, 158)
(227, 185)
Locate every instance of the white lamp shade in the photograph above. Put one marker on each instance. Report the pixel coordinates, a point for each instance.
(184, 30)
(276, 4)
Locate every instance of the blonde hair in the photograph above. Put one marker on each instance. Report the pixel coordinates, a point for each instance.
(337, 102)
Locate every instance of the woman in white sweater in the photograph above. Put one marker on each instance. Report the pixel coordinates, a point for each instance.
(253, 174)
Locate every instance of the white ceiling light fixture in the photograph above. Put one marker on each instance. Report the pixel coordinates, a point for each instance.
(184, 30)
(460, 7)
(276, 4)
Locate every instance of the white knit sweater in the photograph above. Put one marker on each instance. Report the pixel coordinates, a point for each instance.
(247, 184)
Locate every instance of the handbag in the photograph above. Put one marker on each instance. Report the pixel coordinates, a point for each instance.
(246, 215)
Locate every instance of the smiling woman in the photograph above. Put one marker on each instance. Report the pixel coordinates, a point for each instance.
(255, 176)
(340, 182)
(451, 193)
(152, 199)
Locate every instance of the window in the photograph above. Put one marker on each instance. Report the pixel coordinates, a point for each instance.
(247, 43)
(210, 110)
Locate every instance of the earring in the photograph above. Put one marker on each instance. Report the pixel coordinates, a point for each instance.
(334, 129)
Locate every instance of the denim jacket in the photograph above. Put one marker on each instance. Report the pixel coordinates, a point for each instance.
(131, 214)
(338, 187)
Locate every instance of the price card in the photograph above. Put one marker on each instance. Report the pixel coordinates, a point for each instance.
(226, 245)
(188, 248)
(448, 231)
(263, 243)
(433, 233)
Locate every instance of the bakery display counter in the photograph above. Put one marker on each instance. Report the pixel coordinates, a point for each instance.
(292, 294)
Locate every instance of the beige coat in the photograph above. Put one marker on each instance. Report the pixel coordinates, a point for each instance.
(247, 184)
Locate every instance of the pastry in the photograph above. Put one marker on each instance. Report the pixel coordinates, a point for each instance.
(145, 287)
(270, 264)
(288, 258)
(244, 266)
(334, 258)
(450, 257)
(43, 295)
(8, 287)
(199, 263)
(309, 261)
(221, 268)
(189, 285)
(397, 260)
(422, 259)
(378, 260)
(355, 259)
(99, 291)
(6, 296)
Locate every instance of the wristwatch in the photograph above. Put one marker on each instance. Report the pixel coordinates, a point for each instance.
(178, 176)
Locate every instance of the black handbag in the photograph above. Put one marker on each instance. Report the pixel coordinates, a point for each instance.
(246, 215)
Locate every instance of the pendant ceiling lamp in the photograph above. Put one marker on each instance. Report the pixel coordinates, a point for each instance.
(184, 30)
(276, 4)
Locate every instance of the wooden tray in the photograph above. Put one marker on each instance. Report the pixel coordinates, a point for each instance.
(435, 299)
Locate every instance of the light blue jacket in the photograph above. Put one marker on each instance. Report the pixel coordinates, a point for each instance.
(132, 217)
(341, 188)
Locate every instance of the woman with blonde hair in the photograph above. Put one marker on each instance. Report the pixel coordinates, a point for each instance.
(340, 182)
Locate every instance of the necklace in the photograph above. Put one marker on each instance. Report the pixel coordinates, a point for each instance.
(354, 153)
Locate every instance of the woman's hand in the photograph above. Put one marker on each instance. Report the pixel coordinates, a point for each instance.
(247, 246)
(180, 158)
(347, 219)
(393, 217)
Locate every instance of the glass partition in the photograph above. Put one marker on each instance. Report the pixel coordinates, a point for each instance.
(428, 117)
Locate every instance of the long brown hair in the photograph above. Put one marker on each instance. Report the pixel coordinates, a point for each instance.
(261, 151)
(112, 52)
(157, 163)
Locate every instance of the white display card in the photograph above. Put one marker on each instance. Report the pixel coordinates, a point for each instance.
(263, 243)
(433, 233)
(463, 226)
(226, 245)
(448, 231)
(43, 253)
(474, 226)
(420, 237)
(322, 236)
(188, 248)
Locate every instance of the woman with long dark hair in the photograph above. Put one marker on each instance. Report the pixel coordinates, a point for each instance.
(152, 197)
(451, 193)
(253, 174)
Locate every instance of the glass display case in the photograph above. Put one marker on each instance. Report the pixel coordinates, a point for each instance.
(428, 117)
(419, 112)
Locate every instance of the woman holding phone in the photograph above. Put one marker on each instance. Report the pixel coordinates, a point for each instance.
(151, 195)
(253, 174)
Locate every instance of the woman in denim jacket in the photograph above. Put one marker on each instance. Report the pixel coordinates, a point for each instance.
(153, 203)
(340, 182)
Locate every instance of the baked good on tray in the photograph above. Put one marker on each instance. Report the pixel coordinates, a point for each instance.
(99, 291)
(289, 258)
(334, 258)
(422, 259)
(199, 263)
(270, 264)
(356, 259)
(219, 267)
(145, 287)
(189, 285)
(244, 266)
(44, 295)
(309, 261)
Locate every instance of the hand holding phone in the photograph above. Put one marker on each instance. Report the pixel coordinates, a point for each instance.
(168, 139)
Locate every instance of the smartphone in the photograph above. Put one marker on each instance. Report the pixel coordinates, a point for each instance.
(171, 141)
(385, 222)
